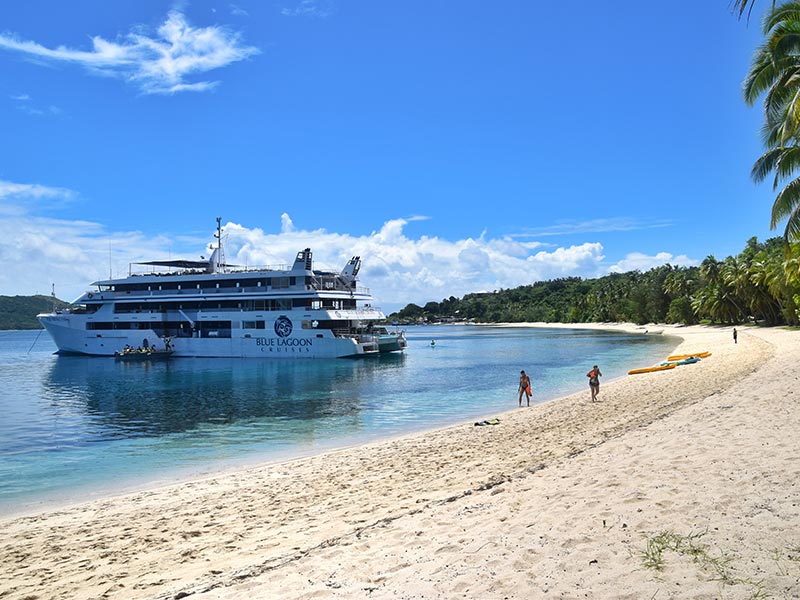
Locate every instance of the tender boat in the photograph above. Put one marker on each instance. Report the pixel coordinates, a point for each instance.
(212, 309)
(142, 355)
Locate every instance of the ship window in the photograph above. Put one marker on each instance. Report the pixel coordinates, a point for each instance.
(280, 283)
(253, 325)
(283, 304)
(214, 329)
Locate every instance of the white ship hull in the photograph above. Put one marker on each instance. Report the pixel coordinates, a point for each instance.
(71, 337)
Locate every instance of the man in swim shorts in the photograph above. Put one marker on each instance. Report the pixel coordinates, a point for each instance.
(594, 381)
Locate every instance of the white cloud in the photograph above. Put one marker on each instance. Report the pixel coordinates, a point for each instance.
(319, 9)
(10, 191)
(69, 254)
(286, 224)
(399, 269)
(594, 226)
(636, 261)
(52, 111)
(156, 64)
(20, 198)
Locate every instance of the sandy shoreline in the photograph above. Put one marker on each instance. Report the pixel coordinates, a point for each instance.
(558, 500)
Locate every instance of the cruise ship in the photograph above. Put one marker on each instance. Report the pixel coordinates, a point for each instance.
(212, 309)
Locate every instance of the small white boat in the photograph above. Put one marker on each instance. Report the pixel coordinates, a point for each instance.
(648, 331)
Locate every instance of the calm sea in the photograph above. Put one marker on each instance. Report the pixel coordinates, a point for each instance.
(74, 428)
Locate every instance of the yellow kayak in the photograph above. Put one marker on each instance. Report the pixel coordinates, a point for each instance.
(650, 369)
(683, 356)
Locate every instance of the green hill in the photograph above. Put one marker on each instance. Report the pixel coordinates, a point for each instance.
(19, 312)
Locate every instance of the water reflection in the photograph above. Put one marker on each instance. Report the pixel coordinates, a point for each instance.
(127, 399)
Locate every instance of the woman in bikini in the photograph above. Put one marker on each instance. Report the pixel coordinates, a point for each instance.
(524, 387)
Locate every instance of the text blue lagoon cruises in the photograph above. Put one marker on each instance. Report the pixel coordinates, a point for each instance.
(212, 309)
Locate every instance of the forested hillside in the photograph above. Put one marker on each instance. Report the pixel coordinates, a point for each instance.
(19, 312)
(762, 283)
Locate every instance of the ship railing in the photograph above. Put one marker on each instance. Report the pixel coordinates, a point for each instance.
(342, 288)
(359, 337)
(125, 294)
(364, 310)
(282, 268)
(335, 284)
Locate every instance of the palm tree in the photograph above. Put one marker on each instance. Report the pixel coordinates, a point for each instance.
(775, 75)
(742, 6)
(764, 299)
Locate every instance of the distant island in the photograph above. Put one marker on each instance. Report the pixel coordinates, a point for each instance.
(19, 312)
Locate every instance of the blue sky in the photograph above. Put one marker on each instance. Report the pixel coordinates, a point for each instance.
(457, 146)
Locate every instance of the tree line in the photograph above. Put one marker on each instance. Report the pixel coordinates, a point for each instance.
(761, 284)
(19, 312)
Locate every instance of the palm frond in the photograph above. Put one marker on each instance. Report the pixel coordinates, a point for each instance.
(765, 164)
(788, 164)
(742, 6)
(792, 231)
(786, 203)
(761, 76)
(785, 39)
(782, 90)
(785, 12)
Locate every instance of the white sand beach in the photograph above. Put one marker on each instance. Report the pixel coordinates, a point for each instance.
(677, 484)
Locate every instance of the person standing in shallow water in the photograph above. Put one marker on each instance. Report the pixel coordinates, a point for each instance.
(524, 387)
(594, 381)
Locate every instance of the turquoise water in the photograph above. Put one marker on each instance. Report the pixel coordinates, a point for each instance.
(78, 427)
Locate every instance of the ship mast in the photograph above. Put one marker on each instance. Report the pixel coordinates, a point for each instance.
(218, 259)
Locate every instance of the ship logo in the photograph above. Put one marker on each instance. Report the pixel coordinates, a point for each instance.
(283, 326)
